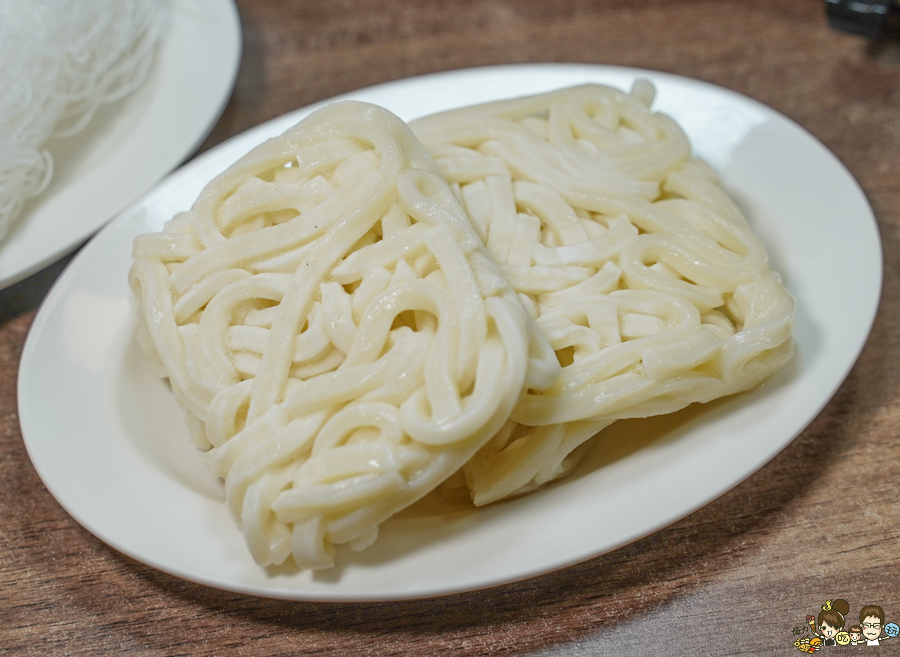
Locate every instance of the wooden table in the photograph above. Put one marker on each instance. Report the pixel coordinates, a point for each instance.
(820, 521)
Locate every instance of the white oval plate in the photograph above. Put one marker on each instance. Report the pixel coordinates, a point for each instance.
(132, 144)
(108, 440)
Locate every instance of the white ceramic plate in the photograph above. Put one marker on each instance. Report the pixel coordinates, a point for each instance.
(132, 144)
(109, 442)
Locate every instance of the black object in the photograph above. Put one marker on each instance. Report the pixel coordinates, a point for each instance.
(866, 18)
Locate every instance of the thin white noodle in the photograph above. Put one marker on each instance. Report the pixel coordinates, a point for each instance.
(59, 62)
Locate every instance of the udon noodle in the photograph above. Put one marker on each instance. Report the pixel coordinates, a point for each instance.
(639, 269)
(335, 330)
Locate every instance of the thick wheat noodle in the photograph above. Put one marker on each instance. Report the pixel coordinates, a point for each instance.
(335, 330)
(641, 271)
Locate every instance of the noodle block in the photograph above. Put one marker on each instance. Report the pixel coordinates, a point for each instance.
(639, 269)
(335, 330)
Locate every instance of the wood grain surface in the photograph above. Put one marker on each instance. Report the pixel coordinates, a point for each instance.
(820, 521)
